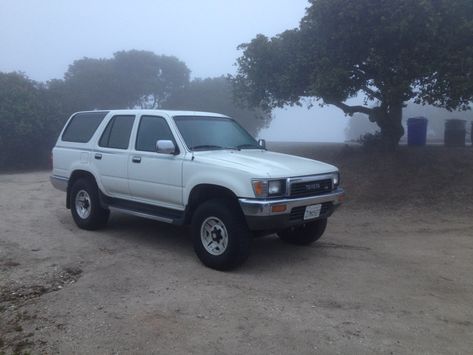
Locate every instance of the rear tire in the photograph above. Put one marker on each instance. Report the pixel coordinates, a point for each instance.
(304, 234)
(220, 234)
(85, 205)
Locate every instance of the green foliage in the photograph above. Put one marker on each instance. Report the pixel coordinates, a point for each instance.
(32, 113)
(216, 95)
(130, 78)
(372, 141)
(391, 51)
(26, 121)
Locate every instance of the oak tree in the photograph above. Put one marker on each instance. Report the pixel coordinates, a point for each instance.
(387, 51)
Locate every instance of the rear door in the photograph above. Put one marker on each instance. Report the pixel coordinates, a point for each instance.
(155, 178)
(111, 153)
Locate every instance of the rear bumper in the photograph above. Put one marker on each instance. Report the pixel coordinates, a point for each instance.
(260, 216)
(59, 182)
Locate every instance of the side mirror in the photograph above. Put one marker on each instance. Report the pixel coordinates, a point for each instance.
(262, 143)
(165, 147)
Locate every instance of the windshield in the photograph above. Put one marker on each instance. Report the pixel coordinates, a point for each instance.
(207, 133)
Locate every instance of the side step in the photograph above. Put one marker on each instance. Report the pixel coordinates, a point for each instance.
(157, 213)
(141, 214)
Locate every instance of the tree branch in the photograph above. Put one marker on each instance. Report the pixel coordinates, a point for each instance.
(350, 110)
(372, 93)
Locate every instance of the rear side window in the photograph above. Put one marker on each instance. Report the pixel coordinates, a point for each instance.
(82, 126)
(117, 133)
(152, 129)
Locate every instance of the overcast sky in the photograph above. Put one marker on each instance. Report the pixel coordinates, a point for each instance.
(42, 37)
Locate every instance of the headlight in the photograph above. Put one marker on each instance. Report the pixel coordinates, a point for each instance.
(274, 187)
(336, 179)
(269, 188)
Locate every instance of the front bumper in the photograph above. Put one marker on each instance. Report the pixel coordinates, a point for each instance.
(262, 215)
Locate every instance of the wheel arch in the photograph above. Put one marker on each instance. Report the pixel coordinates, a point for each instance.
(77, 174)
(204, 192)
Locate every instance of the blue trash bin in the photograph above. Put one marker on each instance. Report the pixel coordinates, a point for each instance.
(417, 131)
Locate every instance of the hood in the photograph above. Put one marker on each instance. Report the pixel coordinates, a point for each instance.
(263, 163)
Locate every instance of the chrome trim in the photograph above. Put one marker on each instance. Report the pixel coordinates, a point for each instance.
(292, 180)
(141, 214)
(258, 207)
(59, 182)
(73, 148)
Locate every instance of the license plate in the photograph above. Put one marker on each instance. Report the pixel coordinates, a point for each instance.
(312, 211)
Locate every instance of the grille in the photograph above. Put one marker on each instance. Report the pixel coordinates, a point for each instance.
(297, 213)
(311, 188)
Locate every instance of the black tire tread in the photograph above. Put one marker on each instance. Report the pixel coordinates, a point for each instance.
(239, 235)
(99, 215)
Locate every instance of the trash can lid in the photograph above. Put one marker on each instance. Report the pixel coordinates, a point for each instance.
(417, 119)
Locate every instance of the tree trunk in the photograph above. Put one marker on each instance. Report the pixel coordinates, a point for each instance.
(389, 119)
(388, 116)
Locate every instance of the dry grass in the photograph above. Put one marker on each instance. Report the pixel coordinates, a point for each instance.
(434, 176)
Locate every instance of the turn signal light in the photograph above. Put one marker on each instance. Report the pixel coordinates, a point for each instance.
(260, 188)
(278, 208)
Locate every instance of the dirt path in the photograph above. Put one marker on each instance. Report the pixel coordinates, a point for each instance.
(380, 281)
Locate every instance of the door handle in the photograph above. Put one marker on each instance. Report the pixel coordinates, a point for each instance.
(98, 156)
(136, 159)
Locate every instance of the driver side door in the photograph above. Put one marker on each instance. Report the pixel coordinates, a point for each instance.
(155, 178)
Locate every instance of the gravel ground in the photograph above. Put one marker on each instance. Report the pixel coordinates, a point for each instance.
(381, 280)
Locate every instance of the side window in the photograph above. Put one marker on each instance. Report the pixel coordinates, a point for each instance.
(82, 126)
(152, 129)
(117, 133)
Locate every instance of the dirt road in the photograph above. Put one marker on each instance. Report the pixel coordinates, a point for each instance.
(380, 281)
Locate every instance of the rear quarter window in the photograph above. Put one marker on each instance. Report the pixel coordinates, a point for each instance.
(82, 126)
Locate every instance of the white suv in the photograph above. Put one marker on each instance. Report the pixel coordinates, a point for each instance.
(195, 168)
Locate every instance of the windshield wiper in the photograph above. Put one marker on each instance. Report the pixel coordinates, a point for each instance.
(206, 146)
(247, 146)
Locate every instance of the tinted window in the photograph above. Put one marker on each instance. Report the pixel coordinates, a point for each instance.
(151, 130)
(117, 133)
(82, 126)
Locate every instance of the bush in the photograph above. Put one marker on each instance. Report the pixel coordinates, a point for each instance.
(28, 122)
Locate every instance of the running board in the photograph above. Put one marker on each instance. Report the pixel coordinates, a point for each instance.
(141, 214)
(139, 209)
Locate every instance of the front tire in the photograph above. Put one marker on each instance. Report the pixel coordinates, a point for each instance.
(85, 205)
(220, 235)
(304, 234)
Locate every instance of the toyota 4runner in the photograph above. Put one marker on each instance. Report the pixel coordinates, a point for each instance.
(195, 168)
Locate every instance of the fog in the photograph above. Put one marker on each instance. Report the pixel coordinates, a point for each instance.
(41, 38)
